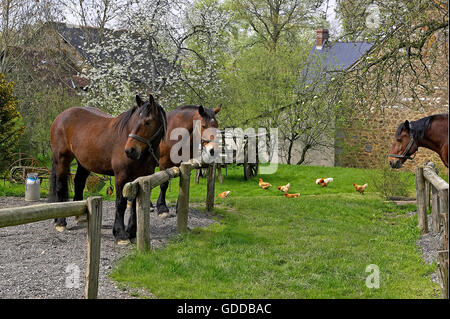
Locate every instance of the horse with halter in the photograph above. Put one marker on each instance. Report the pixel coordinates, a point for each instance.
(184, 117)
(430, 132)
(126, 147)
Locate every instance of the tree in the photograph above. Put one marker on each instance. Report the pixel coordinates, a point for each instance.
(410, 51)
(275, 89)
(19, 20)
(168, 48)
(273, 20)
(11, 127)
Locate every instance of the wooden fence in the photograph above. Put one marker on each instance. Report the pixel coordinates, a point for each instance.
(427, 179)
(92, 208)
(141, 189)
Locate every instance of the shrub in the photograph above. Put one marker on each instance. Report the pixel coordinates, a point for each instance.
(390, 182)
(11, 127)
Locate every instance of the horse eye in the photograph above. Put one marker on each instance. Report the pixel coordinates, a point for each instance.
(147, 123)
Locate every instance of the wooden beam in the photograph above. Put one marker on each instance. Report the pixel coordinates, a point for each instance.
(130, 189)
(430, 175)
(95, 208)
(29, 214)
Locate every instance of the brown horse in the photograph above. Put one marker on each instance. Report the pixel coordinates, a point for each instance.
(184, 117)
(430, 132)
(125, 146)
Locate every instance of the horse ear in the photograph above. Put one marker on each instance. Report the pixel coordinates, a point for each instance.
(151, 100)
(406, 124)
(201, 110)
(217, 109)
(139, 101)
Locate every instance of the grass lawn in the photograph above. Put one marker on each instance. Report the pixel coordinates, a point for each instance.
(269, 246)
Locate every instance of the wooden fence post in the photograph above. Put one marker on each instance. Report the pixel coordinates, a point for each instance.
(428, 190)
(219, 173)
(443, 245)
(211, 187)
(183, 197)
(94, 205)
(435, 209)
(420, 199)
(143, 215)
(197, 175)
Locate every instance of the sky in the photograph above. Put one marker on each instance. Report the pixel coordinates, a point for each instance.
(335, 25)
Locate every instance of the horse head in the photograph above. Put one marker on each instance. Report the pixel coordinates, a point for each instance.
(208, 126)
(147, 128)
(404, 145)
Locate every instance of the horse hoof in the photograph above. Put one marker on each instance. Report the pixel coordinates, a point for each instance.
(60, 228)
(81, 221)
(123, 242)
(163, 215)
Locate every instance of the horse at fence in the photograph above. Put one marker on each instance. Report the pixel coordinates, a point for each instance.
(184, 117)
(430, 132)
(126, 146)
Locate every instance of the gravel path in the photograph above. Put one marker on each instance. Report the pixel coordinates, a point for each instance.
(38, 262)
(429, 244)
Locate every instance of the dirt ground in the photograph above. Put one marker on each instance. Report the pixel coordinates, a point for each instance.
(38, 262)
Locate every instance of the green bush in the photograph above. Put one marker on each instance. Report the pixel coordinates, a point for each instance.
(391, 182)
(11, 127)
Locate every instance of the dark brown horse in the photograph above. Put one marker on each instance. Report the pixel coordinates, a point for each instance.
(430, 132)
(125, 146)
(184, 117)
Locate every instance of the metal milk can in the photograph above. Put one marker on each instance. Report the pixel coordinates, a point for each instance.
(32, 187)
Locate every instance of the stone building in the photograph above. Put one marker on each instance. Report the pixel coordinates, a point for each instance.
(368, 140)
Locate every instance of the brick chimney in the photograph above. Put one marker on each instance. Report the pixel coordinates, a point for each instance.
(321, 38)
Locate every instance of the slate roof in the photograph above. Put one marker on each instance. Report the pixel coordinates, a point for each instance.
(341, 55)
(82, 38)
(334, 56)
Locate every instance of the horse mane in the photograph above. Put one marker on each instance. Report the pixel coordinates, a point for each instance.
(164, 116)
(418, 128)
(123, 118)
(209, 113)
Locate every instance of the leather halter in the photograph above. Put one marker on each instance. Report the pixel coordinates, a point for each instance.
(405, 152)
(149, 141)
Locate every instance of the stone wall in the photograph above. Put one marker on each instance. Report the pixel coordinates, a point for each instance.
(367, 143)
(367, 137)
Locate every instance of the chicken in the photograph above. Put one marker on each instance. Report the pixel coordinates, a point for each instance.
(264, 185)
(291, 195)
(324, 181)
(360, 188)
(223, 194)
(284, 188)
(110, 190)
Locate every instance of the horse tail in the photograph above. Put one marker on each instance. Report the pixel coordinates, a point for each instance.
(52, 192)
(59, 186)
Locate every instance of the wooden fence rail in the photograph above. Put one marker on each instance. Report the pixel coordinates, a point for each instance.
(92, 208)
(439, 214)
(141, 189)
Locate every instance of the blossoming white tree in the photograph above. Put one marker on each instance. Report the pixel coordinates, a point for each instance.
(168, 48)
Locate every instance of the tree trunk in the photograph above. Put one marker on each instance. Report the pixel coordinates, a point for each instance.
(304, 151)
